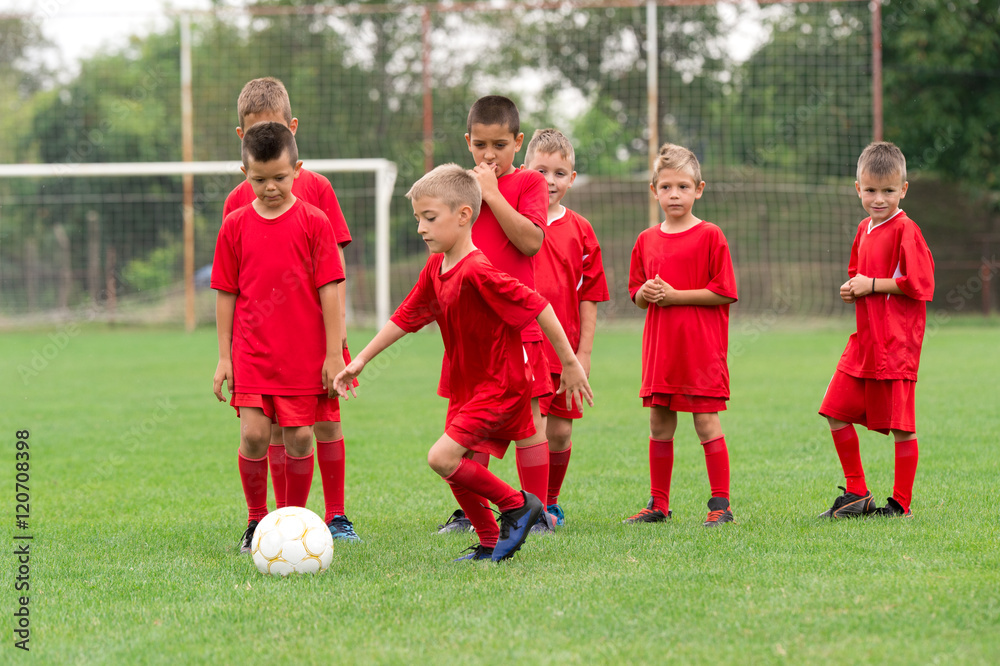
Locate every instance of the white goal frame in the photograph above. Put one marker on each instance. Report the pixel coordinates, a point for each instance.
(383, 170)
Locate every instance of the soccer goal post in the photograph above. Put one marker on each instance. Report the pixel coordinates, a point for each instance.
(383, 170)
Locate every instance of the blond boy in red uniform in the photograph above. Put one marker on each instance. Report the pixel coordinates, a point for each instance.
(266, 100)
(891, 280)
(570, 274)
(681, 273)
(481, 311)
(276, 269)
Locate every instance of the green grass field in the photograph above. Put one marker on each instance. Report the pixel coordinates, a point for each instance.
(136, 509)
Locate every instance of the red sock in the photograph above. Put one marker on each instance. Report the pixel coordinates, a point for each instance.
(849, 450)
(253, 475)
(299, 476)
(717, 462)
(533, 468)
(558, 462)
(331, 458)
(474, 477)
(276, 461)
(661, 468)
(907, 455)
(477, 510)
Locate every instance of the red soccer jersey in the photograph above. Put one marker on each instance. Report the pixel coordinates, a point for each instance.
(684, 347)
(275, 268)
(481, 311)
(310, 187)
(527, 192)
(890, 328)
(568, 271)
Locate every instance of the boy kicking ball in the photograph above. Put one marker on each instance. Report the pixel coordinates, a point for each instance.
(481, 311)
(891, 279)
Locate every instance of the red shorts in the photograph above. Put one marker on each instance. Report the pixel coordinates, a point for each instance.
(538, 366)
(678, 402)
(555, 405)
(486, 430)
(290, 411)
(878, 404)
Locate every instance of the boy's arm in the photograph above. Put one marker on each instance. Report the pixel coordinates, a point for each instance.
(703, 296)
(389, 334)
(573, 381)
(329, 301)
(588, 324)
(342, 293)
(225, 309)
(862, 285)
(522, 232)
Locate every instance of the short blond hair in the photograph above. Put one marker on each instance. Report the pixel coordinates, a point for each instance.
(677, 158)
(550, 141)
(264, 95)
(882, 159)
(452, 185)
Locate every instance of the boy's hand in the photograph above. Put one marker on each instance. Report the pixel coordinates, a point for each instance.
(652, 290)
(486, 176)
(845, 292)
(223, 373)
(667, 290)
(332, 366)
(345, 378)
(858, 286)
(573, 382)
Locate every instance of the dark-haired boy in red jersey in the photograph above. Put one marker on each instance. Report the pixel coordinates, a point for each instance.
(480, 311)
(891, 279)
(569, 272)
(509, 232)
(682, 275)
(266, 100)
(276, 270)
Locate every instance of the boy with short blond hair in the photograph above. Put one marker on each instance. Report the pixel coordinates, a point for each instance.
(480, 311)
(681, 273)
(891, 279)
(509, 231)
(265, 99)
(276, 270)
(570, 274)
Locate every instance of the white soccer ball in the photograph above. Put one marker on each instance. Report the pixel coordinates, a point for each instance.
(292, 539)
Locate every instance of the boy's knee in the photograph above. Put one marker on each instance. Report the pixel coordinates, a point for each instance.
(298, 441)
(441, 462)
(707, 426)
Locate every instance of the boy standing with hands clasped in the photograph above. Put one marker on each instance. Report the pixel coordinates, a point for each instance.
(266, 100)
(891, 279)
(570, 274)
(276, 270)
(682, 275)
(480, 311)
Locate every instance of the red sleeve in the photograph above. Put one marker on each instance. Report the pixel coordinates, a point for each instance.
(225, 264)
(852, 264)
(723, 280)
(326, 263)
(916, 265)
(417, 309)
(326, 201)
(636, 269)
(595, 284)
(515, 303)
(534, 200)
(236, 199)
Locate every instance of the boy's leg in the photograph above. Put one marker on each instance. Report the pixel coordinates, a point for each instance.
(332, 458)
(709, 430)
(662, 425)
(856, 500)
(276, 461)
(907, 457)
(559, 432)
(299, 463)
(532, 456)
(255, 433)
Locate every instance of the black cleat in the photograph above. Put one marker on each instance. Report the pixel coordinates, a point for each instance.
(649, 515)
(893, 509)
(850, 505)
(718, 512)
(478, 552)
(246, 544)
(515, 526)
(457, 522)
